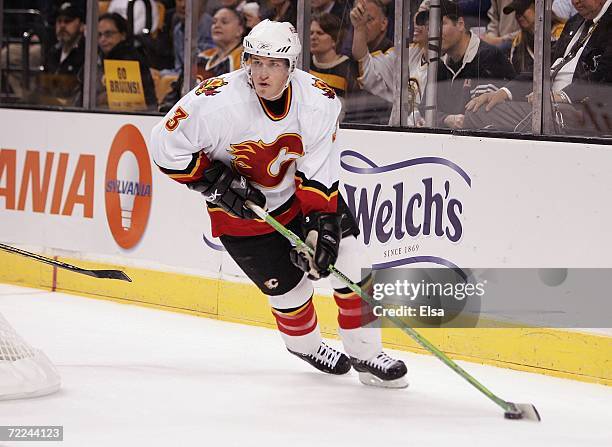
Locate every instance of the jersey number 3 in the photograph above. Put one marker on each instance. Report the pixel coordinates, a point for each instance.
(174, 122)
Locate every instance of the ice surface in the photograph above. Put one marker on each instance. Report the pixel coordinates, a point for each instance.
(136, 376)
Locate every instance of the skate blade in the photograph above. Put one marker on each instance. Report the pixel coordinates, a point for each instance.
(371, 380)
(522, 411)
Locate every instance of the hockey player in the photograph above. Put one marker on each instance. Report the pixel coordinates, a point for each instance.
(266, 134)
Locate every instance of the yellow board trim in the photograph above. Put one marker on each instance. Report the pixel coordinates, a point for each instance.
(568, 354)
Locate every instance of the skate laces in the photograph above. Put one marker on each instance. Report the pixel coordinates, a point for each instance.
(327, 355)
(382, 361)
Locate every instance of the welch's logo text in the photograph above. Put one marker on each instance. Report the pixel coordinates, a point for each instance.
(411, 208)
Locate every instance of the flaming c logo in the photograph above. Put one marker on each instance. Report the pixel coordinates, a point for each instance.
(266, 164)
(128, 187)
(327, 90)
(210, 87)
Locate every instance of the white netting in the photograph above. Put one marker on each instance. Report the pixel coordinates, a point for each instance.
(24, 370)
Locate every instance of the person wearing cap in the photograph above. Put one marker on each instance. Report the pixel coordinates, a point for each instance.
(67, 56)
(581, 81)
(521, 52)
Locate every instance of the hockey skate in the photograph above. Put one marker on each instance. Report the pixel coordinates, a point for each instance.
(326, 359)
(382, 371)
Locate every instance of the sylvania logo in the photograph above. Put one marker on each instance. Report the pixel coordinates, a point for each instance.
(266, 164)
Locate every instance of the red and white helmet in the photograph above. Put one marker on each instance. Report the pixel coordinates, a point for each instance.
(272, 39)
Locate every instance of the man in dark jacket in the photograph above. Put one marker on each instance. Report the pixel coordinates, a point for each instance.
(468, 68)
(581, 87)
(65, 59)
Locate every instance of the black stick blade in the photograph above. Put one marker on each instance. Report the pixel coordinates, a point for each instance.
(108, 274)
(527, 412)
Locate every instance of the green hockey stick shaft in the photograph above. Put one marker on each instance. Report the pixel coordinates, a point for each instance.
(295, 239)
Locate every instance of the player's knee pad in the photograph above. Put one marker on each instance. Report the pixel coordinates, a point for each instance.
(352, 258)
(295, 297)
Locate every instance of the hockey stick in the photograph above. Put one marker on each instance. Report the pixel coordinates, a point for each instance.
(104, 274)
(511, 410)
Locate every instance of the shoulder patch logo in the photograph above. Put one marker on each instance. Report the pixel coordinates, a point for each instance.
(210, 87)
(327, 90)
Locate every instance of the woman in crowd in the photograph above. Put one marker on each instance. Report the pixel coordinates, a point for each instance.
(337, 70)
(228, 29)
(114, 45)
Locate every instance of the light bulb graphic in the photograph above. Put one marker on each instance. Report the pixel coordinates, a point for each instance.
(127, 179)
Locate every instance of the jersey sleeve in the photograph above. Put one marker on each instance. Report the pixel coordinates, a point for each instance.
(317, 172)
(181, 141)
(377, 74)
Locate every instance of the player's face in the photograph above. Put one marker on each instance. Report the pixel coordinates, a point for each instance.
(67, 29)
(320, 41)
(269, 76)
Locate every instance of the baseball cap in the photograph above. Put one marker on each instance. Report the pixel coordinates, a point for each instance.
(519, 6)
(70, 10)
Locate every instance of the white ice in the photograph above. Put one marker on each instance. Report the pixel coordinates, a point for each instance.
(135, 376)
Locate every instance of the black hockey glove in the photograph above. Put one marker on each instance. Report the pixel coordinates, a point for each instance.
(323, 234)
(228, 190)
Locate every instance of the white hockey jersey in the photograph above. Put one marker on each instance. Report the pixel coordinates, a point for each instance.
(292, 158)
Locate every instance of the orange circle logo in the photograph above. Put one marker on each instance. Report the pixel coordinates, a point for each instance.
(128, 187)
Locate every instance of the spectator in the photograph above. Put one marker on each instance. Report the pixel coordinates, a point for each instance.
(64, 61)
(120, 7)
(376, 62)
(205, 40)
(581, 78)
(228, 30)
(521, 53)
(114, 45)
(502, 28)
(281, 11)
(338, 71)
(252, 17)
(468, 68)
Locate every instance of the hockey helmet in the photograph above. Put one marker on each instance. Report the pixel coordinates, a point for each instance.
(272, 39)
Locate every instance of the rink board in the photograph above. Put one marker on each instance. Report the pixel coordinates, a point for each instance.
(502, 203)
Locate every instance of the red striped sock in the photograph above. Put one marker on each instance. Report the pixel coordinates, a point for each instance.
(353, 312)
(294, 322)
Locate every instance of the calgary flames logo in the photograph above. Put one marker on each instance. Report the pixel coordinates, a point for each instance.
(266, 164)
(210, 87)
(327, 90)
